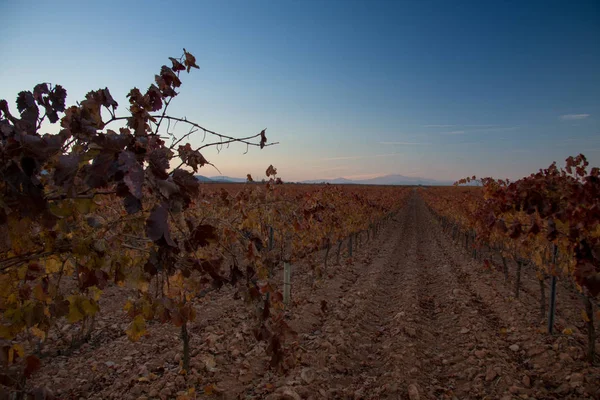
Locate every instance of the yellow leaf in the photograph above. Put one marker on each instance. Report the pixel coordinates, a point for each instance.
(75, 311)
(38, 293)
(95, 292)
(567, 331)
(12, 299)
(19, 350)
(84, 206)
(38, 333)
(585, 316)
(142, 286)
(143, 379)
(90, 307)
(137, 328)
(81, 307)
(128, 306)
(53, 265)
(61, 210)
(6, 332)
(11, 355)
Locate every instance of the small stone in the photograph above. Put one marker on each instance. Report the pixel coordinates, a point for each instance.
(136, 390)
(109, 364)
(514, 389)
(576, 377)
(284, 393)
(480, 353)
(413, 392)
(411, 332)
(490, 375)
(564, 357)
(166, 392)
(526, 381)
(308, 375)
(465, 330)
(514, 347)
(563, 389)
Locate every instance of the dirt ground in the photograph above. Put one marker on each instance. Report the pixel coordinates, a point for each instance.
(412, 317)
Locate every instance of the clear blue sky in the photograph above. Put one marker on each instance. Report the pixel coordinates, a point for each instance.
(437, 89)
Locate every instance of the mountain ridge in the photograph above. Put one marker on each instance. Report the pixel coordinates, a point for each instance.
(391, 179)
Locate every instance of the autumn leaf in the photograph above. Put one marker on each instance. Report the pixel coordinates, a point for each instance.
(32, 364)
(263, 139)
(584, 316)
(271, 171)
(157, 226)
(81, 307)
(190, 61)
(137, 328)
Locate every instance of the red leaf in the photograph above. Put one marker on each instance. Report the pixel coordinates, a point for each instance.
(157, 226)
(32, 365)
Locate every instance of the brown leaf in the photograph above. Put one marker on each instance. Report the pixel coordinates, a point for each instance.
(190, 61)
(32, 364)
(263, 139)
(157, 226)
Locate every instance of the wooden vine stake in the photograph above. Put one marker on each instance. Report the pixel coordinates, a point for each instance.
(589, 321)
(287, 283)
(542, 280)
(552, 309)
(518, 280)
(350, 246)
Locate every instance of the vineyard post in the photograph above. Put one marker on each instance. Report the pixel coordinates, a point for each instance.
(552, 292)
(589, 310)
(185, 337)
(350, 246)
(287, 283)
(270, 245)
(338, 252)
(504, 265)
(327, 252)
(518, 280)
(542, 295)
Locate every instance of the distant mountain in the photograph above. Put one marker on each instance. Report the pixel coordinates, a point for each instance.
(380, 180)
(385, 180)
(227, 179)
(203, 178)
(337, 181)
